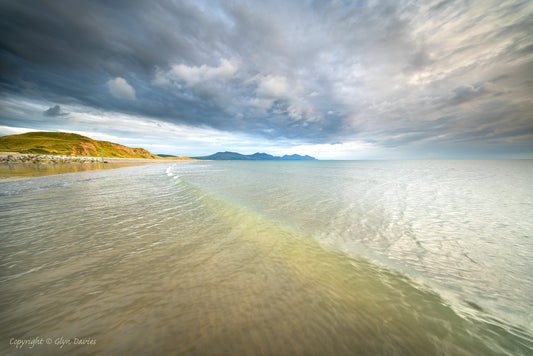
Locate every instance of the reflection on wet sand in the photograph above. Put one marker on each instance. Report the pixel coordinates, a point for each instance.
(27, 170)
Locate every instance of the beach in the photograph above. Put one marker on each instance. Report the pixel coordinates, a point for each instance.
(358, 180)
(314, 258)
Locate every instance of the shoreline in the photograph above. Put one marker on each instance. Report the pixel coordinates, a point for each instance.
(15, 166)
(13, 157)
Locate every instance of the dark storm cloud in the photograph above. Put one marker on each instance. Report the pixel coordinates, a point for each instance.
(54, 111)
(396, 73)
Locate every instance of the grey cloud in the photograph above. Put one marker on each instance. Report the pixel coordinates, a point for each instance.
(393, 73)
(463, 94)
(54, 111)
(440, 6)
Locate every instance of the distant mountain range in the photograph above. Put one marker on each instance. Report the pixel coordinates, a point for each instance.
(234, 156)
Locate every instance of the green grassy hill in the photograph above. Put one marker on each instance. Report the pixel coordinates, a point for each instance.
(60, 143)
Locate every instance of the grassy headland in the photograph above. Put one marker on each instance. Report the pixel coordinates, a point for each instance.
(60, 143)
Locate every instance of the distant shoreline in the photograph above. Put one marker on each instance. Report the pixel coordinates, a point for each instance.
(20, 158)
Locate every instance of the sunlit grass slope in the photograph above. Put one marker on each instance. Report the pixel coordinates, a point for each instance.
(60, 143)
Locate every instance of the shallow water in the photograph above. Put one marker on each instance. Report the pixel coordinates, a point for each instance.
(11, 171)
(417, 257)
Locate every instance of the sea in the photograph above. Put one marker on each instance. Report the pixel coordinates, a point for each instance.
(270, 258)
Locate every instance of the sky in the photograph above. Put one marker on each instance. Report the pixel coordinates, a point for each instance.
(332, 79)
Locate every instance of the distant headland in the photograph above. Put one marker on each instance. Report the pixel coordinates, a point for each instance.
(234, 156)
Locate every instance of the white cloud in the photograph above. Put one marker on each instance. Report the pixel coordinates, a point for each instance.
(121, 89)
(272, 86)
(9, 130)
(262, 104)
(193, 75)
(345, 150)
